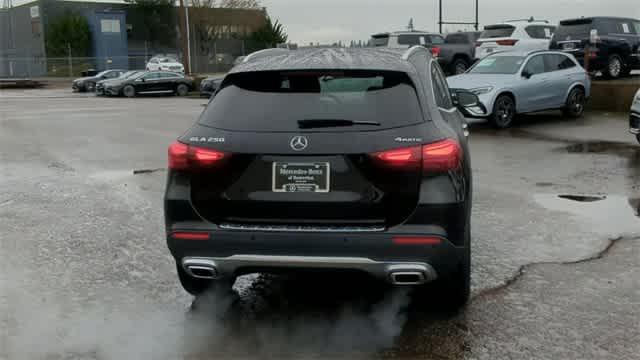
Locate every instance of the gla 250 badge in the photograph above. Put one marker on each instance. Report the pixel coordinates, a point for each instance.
(206, 139)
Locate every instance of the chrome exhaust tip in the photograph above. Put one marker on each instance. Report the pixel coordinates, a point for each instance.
(201, 268)
(410, 274)
(407, 278)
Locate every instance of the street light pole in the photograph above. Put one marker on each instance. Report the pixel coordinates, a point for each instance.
(440, 17)
(183, 37)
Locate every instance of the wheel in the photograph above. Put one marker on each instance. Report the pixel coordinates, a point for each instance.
(574, 106)
(129, 91)
(504, 111)
(451, 291)
(615, 67)
(638, 138)
(182, 90)
(459, 66)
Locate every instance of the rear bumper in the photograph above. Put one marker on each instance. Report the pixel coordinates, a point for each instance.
(398, 273)
(634, 123)
(237, 252)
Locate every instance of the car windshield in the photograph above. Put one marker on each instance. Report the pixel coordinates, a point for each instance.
(498, 65)
(167, 60)
(284, 98)
(103, 73)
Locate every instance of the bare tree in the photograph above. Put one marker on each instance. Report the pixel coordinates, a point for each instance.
(209, 26)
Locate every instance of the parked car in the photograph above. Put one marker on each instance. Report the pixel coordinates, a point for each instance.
(165, 63)
(516, 35)
(100, 85)
(343, 163)
(457, 53)
(634, 118)
(617, 49)
(209, 85)
(150, 82)
(406, 39)
(89, 83)
(511, 83)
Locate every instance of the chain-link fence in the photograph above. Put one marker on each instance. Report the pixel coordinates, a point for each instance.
(215, 57)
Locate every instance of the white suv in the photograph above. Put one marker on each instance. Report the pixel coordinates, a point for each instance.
(406, 39)
(516, 35)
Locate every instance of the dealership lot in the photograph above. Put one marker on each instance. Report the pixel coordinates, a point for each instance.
(86, 272)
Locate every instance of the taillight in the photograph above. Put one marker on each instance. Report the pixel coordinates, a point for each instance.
(183, 157)
(441, 156)
(507, 42)
(405, 157)
(179, 235)
(435, 51)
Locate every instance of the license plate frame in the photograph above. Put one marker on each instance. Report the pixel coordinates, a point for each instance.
(292, 177)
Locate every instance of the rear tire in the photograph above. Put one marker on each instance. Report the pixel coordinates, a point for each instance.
(459, 66)
(182, 90)
(129, 91)
(504, 112)
(615, 67)
(574, 105)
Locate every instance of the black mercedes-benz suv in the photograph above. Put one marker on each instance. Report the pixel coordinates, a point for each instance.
(616, 51)
(326, 159)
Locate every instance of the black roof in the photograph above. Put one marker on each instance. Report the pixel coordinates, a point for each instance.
(384, 59)
(591, 18)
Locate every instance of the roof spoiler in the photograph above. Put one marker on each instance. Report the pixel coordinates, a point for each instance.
(260, 54)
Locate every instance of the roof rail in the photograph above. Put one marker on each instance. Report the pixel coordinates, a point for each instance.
(407, 54)
(531, 19)
(265, 53)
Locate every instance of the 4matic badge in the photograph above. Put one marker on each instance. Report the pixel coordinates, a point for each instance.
(206, 139)
(403, 139)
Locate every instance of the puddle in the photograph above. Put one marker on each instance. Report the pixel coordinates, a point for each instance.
(613, 215)
(582, 198)
(603, 147)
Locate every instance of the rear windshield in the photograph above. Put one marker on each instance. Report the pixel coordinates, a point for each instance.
(497, 31)
(270, 101)
(498, 65)
(574, 28)
(380, 40)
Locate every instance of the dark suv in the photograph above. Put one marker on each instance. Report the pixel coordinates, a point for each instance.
(326, 159)
(617, 50)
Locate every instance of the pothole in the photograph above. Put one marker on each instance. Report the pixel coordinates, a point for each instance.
(583, 198)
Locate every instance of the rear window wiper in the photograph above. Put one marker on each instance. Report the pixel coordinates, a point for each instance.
(323, 123)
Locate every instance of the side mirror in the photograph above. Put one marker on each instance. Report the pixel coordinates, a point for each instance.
(468, 103)
(526, 74)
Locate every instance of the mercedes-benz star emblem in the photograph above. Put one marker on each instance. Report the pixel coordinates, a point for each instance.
(299, 143)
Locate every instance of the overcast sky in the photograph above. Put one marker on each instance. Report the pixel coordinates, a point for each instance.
(328, 21)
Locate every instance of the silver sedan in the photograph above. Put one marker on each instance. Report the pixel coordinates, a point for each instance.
(511, 83)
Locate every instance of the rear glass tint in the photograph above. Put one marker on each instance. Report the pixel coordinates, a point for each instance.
(497, 31)
(540, 31)
(380, 40)
(411, 40)
(272, 101)
(574, 28)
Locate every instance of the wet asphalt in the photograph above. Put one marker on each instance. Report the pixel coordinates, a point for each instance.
(85, 273)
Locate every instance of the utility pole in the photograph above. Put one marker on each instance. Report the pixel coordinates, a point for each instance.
(477, 15)
(440, 17)
(183, 37)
